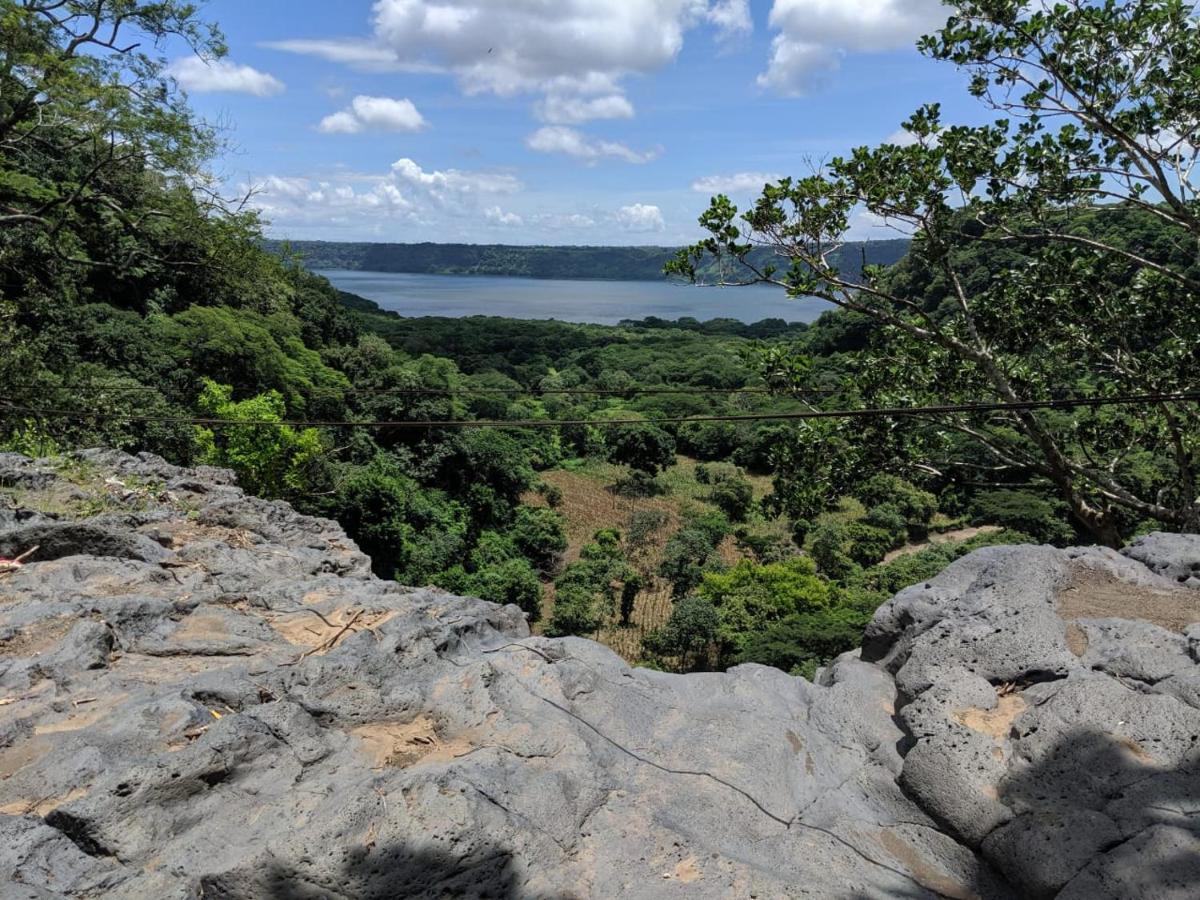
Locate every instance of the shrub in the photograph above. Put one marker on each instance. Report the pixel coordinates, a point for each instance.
(540, 537)
(689, 632)
(637, 484)
(513, 581)
(915, 506)
(1044, 520)
(734, 497)
(829, 546)
(803, 642)
(889, 518)
(686, 557)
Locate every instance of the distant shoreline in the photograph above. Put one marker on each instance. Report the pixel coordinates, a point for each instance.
(543, 263)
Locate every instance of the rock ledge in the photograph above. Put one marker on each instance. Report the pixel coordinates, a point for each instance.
(206, 694)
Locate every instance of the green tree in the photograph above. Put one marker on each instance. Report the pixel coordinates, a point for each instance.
(748, 597)
(586, 592)
(269, 459)
(692, 628)
(688, 554)
(734, 496)
(1022, 297)
(540, 536)
(645, 448)
(86, 103)
(511, 581)
(409, 532)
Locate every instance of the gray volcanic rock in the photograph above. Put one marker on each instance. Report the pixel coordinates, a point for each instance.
(205, 694)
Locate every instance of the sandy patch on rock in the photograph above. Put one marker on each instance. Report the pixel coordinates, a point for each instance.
(400, 746)
(306, 629)
(37, 637)
(921, 870)
(1095, 594)
(996, 723)
(42, 806)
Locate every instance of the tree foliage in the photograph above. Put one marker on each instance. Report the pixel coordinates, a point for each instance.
(1021, 284)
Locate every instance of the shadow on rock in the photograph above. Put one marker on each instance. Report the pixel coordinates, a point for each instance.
(378, 873)
(1101, 815)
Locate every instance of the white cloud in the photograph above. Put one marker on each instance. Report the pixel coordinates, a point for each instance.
(553, 223)
(814, 35)
(738, 183)
(406, 193)
(731, 17)
(223, 76)
(494, 215)
(902, 137)
(580, 49)
(450, 184)
(559, 139)
(349, 52)
(374, 114)
(568, 110)
(641, 217)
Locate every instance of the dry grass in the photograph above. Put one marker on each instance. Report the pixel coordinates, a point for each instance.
(589, 505)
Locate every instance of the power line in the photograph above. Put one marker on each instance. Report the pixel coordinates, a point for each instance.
(516, 392)
(871, 412)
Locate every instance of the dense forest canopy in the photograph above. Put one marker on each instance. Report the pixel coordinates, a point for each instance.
(612, 263)
(640, 484)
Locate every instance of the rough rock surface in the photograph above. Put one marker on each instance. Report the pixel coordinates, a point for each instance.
(204, 694)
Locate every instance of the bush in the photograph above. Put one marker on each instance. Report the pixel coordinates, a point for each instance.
(765, 546)
(576, 612)
(551, 493)
(889, 518)
(868, 544)
(803, 642)
(748, 597)
(686, 557)
(915, 506)
(540, 537)
(734, 497)
(688, 633)
(513, 581)
(829, 546)
(637, 484)
(1044, 520)
(644, 525)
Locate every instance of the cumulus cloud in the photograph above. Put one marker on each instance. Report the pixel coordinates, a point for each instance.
(813, 35)
(568, 110)
(738, 183)
(641, 217)
(568, 141)
(580, 49)
(494, 215)
(223, 76)
(405, 193)
(374, 114)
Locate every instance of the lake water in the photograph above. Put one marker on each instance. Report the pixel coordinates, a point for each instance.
(599, 302)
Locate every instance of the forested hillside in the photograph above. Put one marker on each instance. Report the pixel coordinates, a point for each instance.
(612, 263)
(696, 494)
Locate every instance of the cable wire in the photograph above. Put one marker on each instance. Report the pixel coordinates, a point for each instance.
(870, 412)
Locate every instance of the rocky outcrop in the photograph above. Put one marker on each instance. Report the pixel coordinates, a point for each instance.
(204, 694)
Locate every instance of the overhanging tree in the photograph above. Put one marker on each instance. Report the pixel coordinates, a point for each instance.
(1025, 281)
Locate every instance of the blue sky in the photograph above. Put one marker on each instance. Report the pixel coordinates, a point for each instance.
(549, 121)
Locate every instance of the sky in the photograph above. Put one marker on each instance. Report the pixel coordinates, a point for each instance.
(549, 121)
